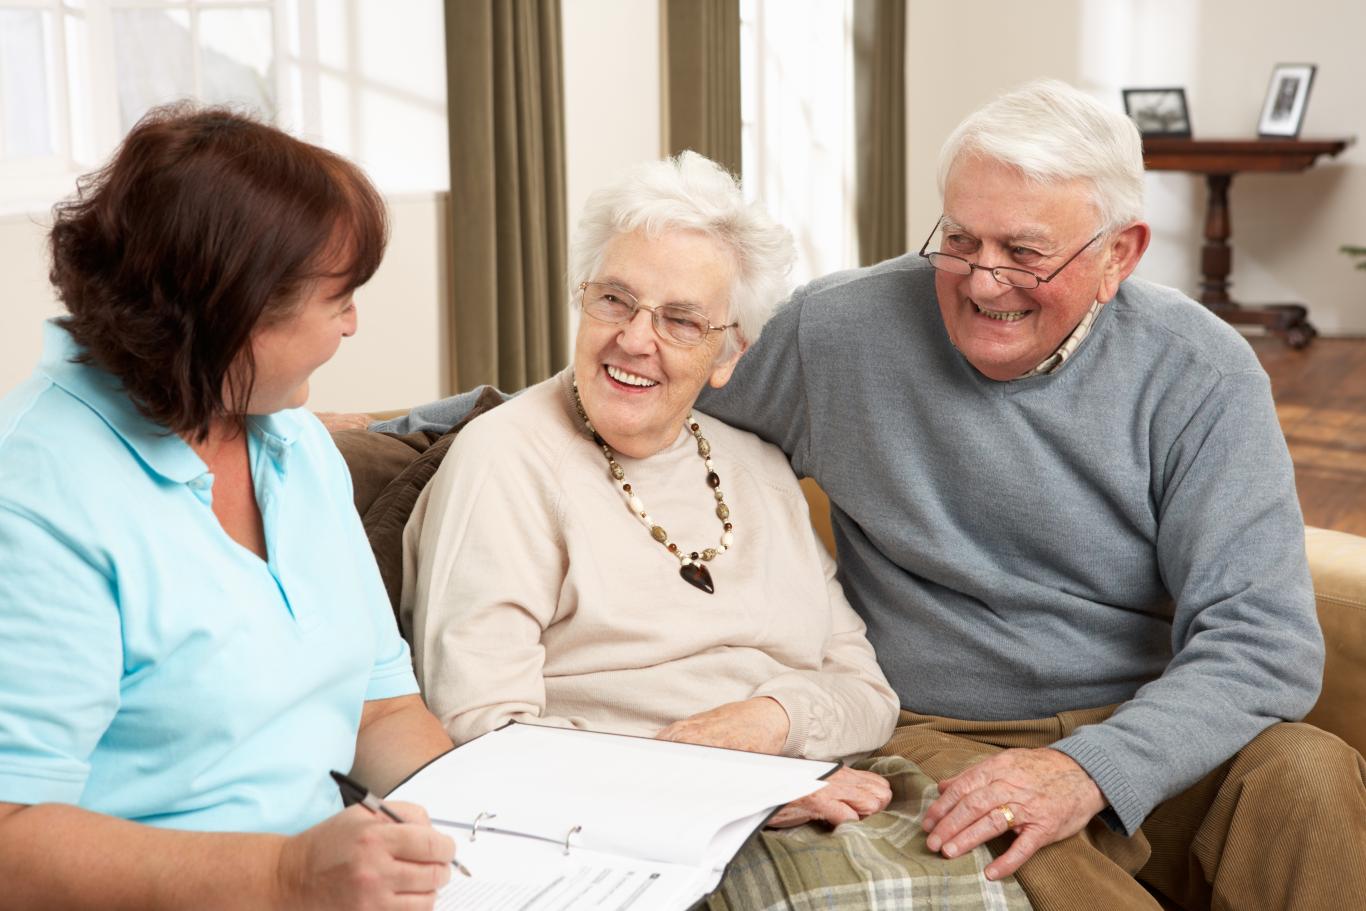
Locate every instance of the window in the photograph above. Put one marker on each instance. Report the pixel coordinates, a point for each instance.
(797, 125)
(363, 77)
(36, 139)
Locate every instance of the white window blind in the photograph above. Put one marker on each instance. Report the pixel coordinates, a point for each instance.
(363, 77)
(797, 125)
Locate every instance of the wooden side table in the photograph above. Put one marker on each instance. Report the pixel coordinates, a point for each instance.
(1219, 160)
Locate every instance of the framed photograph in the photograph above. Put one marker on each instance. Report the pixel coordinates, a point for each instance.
(1286, 99)
(1158, 112)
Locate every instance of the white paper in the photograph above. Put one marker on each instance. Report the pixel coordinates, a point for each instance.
(517, 874)
(648, 799)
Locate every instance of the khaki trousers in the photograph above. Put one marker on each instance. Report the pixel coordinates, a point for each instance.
(1280, 825)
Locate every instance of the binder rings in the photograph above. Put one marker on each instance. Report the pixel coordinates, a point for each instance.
(554, 819)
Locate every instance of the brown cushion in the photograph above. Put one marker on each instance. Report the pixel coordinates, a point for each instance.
(375, 459)
(386, 516)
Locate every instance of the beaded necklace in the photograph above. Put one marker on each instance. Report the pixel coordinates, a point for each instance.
(692, 564)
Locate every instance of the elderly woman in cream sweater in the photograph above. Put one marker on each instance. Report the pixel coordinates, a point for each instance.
(595, 553)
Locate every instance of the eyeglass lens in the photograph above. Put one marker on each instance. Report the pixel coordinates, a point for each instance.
(613, 305)
(1018, 278)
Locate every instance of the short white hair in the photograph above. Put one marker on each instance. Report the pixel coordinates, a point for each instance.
(1053, 133)
(692, 193)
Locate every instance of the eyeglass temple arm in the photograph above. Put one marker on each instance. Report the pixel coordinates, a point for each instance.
(937, 223)
(1054, 274)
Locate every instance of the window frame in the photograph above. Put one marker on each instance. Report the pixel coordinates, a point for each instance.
(328, 88)
(30, 182)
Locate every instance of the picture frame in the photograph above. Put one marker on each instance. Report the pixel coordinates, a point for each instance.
(1158, 112)
(1287, 97)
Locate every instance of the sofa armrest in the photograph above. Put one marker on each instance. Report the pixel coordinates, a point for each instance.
(1337, 562)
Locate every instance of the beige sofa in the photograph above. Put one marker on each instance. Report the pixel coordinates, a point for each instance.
(388, 472)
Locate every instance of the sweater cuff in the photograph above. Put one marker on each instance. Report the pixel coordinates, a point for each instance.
(1126, 805)
(798, 720)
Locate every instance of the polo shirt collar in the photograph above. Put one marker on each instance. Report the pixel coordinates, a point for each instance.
(159, 449)
(281, 428)
(162, 451)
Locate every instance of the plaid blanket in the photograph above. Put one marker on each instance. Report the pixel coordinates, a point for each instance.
(877, 863)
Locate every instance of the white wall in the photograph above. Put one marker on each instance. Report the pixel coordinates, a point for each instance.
(1286, 228)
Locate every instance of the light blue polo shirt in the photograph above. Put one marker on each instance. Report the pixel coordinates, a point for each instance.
(151, 668)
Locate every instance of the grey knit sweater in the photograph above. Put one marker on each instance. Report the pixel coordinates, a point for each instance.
(1124, 530)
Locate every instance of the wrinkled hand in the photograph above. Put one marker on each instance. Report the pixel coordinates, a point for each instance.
(759, 725)
(358, 861)
(337, 420)
(848, 796)
(1050, 796)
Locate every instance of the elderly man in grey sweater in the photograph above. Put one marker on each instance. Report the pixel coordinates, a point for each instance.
(1065, 510)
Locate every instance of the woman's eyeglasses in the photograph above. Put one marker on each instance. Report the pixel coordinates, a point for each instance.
(674, 322)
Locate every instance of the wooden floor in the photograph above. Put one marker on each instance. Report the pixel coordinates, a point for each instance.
(1320, 396)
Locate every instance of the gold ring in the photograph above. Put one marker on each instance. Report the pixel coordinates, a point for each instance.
(1007, 815)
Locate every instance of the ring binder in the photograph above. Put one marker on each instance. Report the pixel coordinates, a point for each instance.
(689, 811)
(474, 829)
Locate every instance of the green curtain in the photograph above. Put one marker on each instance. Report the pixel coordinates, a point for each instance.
(702, 76)
(508, 318)
(880, 127)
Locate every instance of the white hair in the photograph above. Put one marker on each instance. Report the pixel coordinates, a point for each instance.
(1053, 133)
(692, 193)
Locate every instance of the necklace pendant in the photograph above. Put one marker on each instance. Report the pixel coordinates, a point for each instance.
(696, 575)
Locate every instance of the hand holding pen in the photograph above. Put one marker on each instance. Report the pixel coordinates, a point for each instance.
(354, 792)
(357, 860)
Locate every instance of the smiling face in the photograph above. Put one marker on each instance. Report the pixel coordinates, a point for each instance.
(995, 216)
(637, 387)
(289, 350)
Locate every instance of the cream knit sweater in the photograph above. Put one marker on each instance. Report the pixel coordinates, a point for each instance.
(531, 593)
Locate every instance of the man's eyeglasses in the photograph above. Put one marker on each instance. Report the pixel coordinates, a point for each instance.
(674, 322)
(1006, 275)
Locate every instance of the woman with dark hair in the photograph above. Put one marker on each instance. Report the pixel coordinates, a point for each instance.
(195, 631)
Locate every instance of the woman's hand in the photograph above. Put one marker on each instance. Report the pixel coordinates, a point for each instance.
(848, 796)
(759, 725)
(357, 860)
(341, 420)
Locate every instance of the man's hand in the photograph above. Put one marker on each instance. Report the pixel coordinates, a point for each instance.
(759, 725)
(849, 795)
(1049, 796)
(356, 860)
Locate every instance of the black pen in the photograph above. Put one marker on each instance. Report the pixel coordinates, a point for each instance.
(355, 792)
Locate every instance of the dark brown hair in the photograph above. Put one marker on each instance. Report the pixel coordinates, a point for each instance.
(205, 225)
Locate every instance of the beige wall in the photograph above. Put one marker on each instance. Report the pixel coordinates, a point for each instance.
(26, 298)
(398, 355)
(611, 97)
(395, 359)
(612, 92)
(1286, 229)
